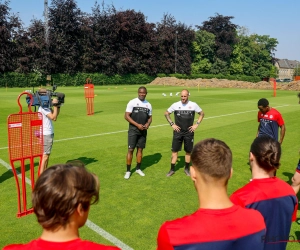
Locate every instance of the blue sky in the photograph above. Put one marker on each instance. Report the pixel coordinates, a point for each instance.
(277, 18)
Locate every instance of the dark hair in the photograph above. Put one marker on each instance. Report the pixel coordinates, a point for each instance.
(59, 190)
(263, 102)
(267, 152)
(213, 158)
(142, 87)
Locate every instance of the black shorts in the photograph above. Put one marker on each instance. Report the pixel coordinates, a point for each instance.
(137, 139)
(186, 137)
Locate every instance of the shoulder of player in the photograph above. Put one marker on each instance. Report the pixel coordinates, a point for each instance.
(273, 110)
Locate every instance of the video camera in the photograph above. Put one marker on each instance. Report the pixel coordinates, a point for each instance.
(43, 98)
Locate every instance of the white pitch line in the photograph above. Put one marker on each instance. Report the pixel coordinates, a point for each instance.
(88, 223)
(156, 126)
(10, 168)
(107, 235)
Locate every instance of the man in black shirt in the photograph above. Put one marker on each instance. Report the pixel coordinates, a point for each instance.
(139, 115)
(183, 128)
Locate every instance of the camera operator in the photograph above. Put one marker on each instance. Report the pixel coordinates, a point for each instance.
(49, 115)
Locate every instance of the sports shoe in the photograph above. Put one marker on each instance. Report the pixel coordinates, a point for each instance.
(171, 172)
(140, 172)
(187, 172)
(127, 175)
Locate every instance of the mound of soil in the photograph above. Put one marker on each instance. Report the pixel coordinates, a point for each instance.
(223, 83)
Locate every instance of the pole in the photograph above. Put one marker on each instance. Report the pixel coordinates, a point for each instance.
(176, 32)
(46, 15)
(274, 87)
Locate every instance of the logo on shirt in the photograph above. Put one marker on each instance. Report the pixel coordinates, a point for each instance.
(265, 122)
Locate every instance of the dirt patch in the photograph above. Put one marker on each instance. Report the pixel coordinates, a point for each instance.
(223, 83)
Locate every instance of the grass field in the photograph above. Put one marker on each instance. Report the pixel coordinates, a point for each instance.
(131, 211)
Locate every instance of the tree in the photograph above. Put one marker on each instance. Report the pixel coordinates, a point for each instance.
(9, 28)
(64, 33)
(225, 39)
(203, 51)
(255, 54)
(171, 36)
(37, 49)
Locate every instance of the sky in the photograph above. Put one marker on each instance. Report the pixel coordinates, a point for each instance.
(276, 18)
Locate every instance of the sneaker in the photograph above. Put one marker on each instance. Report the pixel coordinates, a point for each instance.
(171, 172)
(187, 172)
(127, 175)
(140, 172)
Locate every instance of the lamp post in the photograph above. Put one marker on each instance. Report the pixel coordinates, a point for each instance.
(176, 49)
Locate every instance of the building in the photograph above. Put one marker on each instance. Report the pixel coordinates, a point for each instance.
(287, 68)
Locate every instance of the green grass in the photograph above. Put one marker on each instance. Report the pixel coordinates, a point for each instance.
(133, 210)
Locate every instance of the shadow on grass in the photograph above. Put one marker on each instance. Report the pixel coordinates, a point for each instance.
(297, 233)
(82, 160)
(289, 175)
(9, 173)
(180, 163)
(150, 160)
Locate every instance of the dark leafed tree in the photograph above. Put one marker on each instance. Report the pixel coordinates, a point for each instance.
(10, 25)
(133, 42)
(99, 41)
(64, 36)
(166, 38)
(185, 37)
(225, 38)
(37, 51)
(173, 46)
(117, 42)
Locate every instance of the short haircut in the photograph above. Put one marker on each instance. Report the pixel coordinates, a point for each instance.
(142, 87)
(213, 158)
(188, 92)
(263, 102)
(267, 152)
(59, 190)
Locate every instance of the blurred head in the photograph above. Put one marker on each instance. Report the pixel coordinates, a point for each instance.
(142, 92)
(263, 105)
(267, 152)
(213, 159)
(58, 192)
(184, 96)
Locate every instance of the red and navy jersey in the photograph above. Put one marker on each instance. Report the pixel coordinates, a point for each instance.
(184, 114)
(276, 201)
(140, 111)
(77, 244)
(269, 123)
(206, 229)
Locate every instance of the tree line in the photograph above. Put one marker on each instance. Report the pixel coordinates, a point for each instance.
(120, 42)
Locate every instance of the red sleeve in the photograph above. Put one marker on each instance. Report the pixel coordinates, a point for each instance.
(280, 120)
(163, 240)
(258, 116)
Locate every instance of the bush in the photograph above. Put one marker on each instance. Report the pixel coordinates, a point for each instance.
(35, 79)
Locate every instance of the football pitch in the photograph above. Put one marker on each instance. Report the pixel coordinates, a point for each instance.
(130, 212)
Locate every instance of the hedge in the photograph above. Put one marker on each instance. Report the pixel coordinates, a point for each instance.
(13, 79)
